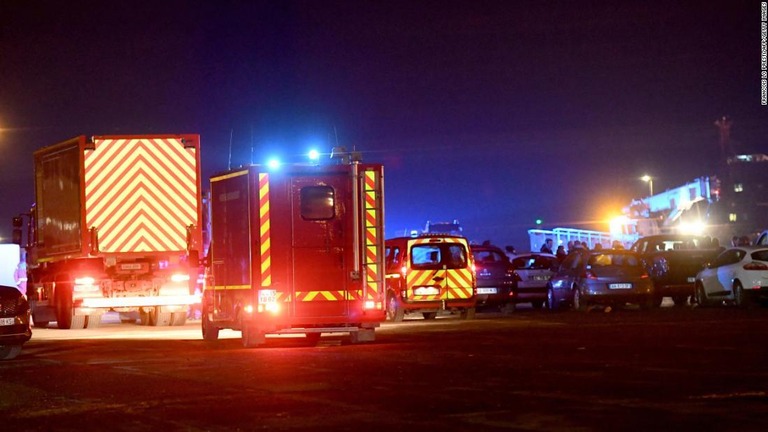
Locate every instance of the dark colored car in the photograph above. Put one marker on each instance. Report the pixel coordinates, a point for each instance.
(496, 279)
(15, 326)
(672, 261)
(534, 269)
(611, 277)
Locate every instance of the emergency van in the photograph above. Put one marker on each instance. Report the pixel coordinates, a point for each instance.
(427, 274)
(296, 250)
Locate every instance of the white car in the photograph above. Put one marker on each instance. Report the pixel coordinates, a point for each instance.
(739, 275)
(534, 269)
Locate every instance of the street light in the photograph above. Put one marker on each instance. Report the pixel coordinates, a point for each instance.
(648, 179)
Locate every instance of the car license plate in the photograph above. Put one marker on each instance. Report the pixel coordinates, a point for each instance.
(692, 279)
(620, 286)
(487, 290)
(7, 321)
(426, 291)
(540, 278)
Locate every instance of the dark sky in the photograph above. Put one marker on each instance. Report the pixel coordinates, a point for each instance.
(491, 112)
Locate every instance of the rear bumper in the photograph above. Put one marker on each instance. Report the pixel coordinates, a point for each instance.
(15, 334)
(531, 294)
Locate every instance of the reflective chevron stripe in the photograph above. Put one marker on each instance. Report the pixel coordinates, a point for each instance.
(141, 193)
(265, 241)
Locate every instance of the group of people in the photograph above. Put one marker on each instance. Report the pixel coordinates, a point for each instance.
(561, 252)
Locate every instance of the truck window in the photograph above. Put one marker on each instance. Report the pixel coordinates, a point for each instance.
(317, 203)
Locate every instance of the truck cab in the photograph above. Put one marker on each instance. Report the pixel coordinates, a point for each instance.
(428, 274)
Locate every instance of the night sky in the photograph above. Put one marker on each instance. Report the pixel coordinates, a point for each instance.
(494, 113)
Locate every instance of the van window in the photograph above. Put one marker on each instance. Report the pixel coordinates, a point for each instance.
(317, 203)
(437, 256)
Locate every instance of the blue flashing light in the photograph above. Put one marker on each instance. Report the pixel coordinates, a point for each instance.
(314, 155)
(273, 163)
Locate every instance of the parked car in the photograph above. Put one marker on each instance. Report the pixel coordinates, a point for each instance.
(673, 260)
(534, 270)
(739, 276)
(15, 327)
(610, 277)
(496, 279)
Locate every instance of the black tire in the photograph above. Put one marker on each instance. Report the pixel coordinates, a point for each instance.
(700, 296)
(178, 319)
(93, 321)
(658, 300)
(160, 318)
(537, 304)
(145, 318)
(579, 303)
(468, 313)
(394, 311)
(62, 298)
(551, 302)
(740, 298)
(210, 331)
(429, 315)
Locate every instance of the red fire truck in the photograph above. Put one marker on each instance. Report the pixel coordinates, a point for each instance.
(115, 226)
(297, 249)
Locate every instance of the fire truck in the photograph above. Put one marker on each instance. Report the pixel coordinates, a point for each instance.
(115, 227)
(296, 250)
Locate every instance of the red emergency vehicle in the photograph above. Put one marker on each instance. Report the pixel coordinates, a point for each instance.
(115, 227)
(297, 249)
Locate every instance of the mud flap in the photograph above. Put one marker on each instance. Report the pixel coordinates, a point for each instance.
(252, 336)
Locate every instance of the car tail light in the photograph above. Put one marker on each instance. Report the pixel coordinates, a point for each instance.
(589, 274)
(756, 266)
(513, 274)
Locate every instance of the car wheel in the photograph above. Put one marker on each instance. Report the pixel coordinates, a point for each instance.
(551, 300)
(700, 296)
(579, 302)
(394, 311)
(739, 296)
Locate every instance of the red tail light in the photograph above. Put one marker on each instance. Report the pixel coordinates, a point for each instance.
(754, 265)
(589, 274)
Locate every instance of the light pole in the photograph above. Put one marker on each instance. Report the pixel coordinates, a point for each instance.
(648, 179)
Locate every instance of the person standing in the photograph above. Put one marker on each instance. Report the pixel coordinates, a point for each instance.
(547, 246)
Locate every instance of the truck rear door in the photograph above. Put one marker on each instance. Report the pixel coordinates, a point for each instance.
(321, 234)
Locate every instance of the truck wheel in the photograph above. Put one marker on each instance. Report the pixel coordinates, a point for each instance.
(178, 318)
(468, 313)
(252, 337)
(160, 318)
(8, 352)
(93, 321)
(210, 331)
(429, 315)
(63, 303)
(394, 311)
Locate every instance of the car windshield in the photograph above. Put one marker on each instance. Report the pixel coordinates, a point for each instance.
(610, 259)
(435, 256)
(533, 262)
